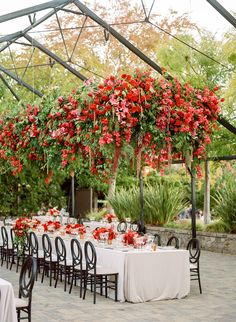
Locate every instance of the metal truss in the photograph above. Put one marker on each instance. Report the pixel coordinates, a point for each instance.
(215, 4)
(59, 5)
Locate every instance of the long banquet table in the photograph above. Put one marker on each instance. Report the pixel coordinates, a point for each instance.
(7, 302)
(144, 275)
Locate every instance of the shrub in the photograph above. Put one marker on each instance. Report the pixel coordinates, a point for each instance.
(96, 215)
(162, 202)
(185, 224)
(217, 226)
(225, 207)
(126, 203)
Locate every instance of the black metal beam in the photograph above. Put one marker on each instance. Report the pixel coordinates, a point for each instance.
(118, 36)
(9, 87)
(35, 43)
(20, 81)
(10, 37)
(14, 36)
(37, 8)
(222, 158)
(219, 158)
(227, 125)
(135, 50)
(215, 4)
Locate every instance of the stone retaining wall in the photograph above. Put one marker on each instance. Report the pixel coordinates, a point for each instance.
(215, 242)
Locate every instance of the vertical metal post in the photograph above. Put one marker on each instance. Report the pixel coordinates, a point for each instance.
(141, 219)
(73, 195)
(207, 194)
(193, 201)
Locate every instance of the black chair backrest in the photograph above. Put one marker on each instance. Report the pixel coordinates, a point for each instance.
(26, 245)
(90, 255)
(27, 277)
(76, 252)
(60, 249)
(173, 240)
(47, 247)
(134, 226)
(4, 237)
(14, 242)
(34, 244)
(157, 239)
(122, 227)
(194, 250)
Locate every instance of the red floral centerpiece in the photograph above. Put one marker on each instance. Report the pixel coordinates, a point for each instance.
(97, 233)
(129, 237)
(53, 212)
(51, 226)
(34, 223)
(109, 217)
(75, 229)
(21, 228)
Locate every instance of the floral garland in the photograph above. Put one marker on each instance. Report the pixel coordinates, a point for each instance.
(161, 119)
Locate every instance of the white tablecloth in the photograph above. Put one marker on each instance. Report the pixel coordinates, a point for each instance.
(7, 302)
(144, 275)
(148, 276)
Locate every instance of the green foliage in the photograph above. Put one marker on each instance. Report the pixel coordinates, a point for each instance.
(185, 224)
(96, 215)
(162, 202)
(126, 203)
(225, 207)
(217, 226)
(85, 179)
(27, 193)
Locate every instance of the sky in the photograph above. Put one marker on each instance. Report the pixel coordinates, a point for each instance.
(200, 11)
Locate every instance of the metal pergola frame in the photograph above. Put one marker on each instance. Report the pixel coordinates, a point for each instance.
(57, 5)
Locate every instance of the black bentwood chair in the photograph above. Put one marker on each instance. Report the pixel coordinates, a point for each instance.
(35, 252)
(194, 255)
(6, 248)
(122, 226)
(16, 251)
(50, 260)
(157, 239)
(26, 283)
(64, 265)
(173, 241)
(77, 264)
(97, 276)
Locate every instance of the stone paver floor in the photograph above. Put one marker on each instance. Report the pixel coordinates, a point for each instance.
(216, 304)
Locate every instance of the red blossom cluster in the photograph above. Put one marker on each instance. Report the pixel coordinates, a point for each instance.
(75, 228)
(109, 217)
(21, 227)
(111, 234)
(53, 212)
(51, 225)
(161, 119)
(129, 237)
